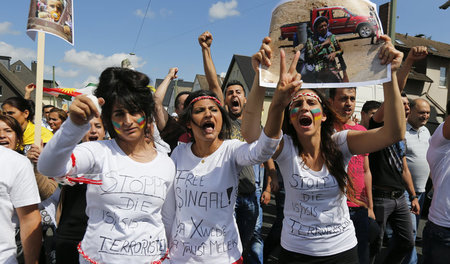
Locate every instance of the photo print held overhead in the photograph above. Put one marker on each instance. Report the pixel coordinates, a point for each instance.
(337, 40)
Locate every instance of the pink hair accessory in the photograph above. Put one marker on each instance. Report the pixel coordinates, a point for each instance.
(205, 97)
(304, 94)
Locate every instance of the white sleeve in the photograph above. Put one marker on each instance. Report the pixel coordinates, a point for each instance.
(168, 211)
(340, 138)
(55, 160)
(257, 152)
(24, 191)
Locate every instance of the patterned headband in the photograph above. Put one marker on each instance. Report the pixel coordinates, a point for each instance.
(205, 97)
(304, 94)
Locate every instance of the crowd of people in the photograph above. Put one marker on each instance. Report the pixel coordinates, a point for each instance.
(118, 179)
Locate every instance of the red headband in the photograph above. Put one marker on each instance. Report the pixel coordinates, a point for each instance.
(205, 97)
(304, 94)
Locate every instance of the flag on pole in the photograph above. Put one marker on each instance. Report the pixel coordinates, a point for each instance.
(65, 93)
(51, 16)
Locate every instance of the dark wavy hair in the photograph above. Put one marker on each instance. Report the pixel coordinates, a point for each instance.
(127, 88)
(15, 126)
(186, 115)
(21, 104)
(333, 157)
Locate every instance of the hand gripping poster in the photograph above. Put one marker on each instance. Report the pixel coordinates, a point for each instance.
(338, 42)
(51, 16)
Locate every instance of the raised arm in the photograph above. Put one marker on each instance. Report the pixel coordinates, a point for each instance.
(161, 114)
(28, 90)
(55, 159)
(205, 41)
(415, 54)
(360, 142)
(251, 117)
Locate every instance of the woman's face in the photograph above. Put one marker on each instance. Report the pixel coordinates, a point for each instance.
(8, 137)
(206, 120)
(54, 121)
(306, 112)
(128, 126)
(20, 116)
(97, 131)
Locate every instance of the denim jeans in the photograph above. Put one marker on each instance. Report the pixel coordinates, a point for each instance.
(436, 244)
(398, 213)
(255, 254)
(412, 257)
(246, 210)
(360, 218)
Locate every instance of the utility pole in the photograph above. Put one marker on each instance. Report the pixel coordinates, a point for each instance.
(392, 19)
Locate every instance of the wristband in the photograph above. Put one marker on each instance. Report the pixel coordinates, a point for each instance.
(413, 197)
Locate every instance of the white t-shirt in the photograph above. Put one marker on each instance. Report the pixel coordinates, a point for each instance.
(130, 213)
(316, 218)
(438, 157)
(18, 188)
(205, 229)
(416, 151)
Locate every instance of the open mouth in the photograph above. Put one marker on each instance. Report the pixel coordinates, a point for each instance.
(93, 138)
(4, 143)
(208, 127)
(305, 121)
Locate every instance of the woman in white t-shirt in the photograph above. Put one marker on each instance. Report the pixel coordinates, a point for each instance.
(130, 201)
(313, 160)
(206, 182)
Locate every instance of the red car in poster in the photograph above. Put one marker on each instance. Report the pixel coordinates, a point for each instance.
(341, 21)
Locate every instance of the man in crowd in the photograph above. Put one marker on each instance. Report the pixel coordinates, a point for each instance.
(343, 101)
(369, 108)
(417, 137)
(436, 234)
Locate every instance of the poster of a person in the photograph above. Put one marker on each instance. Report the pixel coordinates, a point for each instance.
(337, 40)
(51, 16)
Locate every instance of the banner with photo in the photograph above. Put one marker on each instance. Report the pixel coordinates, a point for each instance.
(337, 40)
(51, 16)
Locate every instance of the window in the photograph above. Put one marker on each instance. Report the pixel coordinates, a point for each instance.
(443, 77)
(18, 68)
(339, 13)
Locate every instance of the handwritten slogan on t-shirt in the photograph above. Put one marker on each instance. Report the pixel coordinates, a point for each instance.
(195, 235)
(125, 224)
(315, 213)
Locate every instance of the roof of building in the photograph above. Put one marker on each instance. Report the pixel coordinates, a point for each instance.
(204, 83)
(13, 81)
(245, 66)
(435, 48)
(419, 76)
(181, 84)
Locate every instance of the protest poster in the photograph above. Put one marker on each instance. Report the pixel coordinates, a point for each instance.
(51, 16)
(337, 40)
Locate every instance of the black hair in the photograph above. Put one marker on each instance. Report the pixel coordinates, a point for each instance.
(15, 126)
(177, 99)
(332, 91)
(319, 21)
(370, 105)
(127, 88)
(186, 115)
(234, 82)
(333, 157)
(403, 94)
(47, 106)
(21, 104)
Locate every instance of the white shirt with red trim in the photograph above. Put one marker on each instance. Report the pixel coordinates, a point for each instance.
(131, 211)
